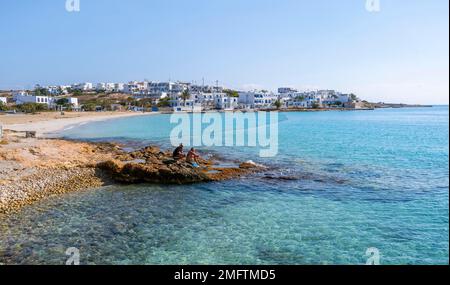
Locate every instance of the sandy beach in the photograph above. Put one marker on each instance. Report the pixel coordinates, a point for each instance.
(49, 122)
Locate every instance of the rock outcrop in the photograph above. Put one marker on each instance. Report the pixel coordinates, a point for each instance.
(150, 165)
(133, 172)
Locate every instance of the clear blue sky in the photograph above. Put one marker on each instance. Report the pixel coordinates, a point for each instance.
(400, 54)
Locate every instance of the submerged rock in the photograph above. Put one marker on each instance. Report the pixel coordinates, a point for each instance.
(281, 177)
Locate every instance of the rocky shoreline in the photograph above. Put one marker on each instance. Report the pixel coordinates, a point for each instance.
(32, 169)
(45, 183)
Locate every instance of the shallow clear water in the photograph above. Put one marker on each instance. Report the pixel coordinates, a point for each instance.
(357, 180)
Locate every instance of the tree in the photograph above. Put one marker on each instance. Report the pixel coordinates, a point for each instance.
(146, 102)
(89, 107)
(231, 93)
(315, 105)
(32, 107)
(353, 97)
(77, 92)
(106, 104)
(130, 101)
(164, 102)
(300, 98)
(3, 107)
(185, 96)
(39, 91)
(62, 102)
(278, 104)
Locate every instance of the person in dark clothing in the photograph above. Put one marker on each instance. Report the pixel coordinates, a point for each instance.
(178, 152)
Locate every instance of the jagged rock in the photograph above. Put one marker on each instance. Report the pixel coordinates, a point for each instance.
(161, 168)
(250, 165)
(150, 173)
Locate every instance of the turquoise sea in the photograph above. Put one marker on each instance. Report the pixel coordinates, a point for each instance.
(342, 182)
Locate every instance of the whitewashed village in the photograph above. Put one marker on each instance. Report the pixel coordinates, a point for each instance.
(144, 96)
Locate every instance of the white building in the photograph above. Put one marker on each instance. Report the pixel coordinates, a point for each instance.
(286, 90)
(119, 87)
(136, 88)
(3, 100)
(155, 98)
(100, 86)
(205, 88)
(82, 86)
(130, 88)
(326, 93)
(257, 99)
(65, 89)
(22, 99)
(207, 100)
(333, 98)
(177, 101)
(307, 100)
(53, 90)
(167, 87)
(73, 101)
(108, 87)
(180, 105)
(188, 108)
(86, 86)
(225, 102)
(159, 90)
(321, 98)
(158, 96)
(297, 101)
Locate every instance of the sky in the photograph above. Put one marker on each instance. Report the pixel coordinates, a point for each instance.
(399, 53)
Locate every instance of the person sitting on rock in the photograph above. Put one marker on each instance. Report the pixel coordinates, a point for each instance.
(192, 158)
(178, 152)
